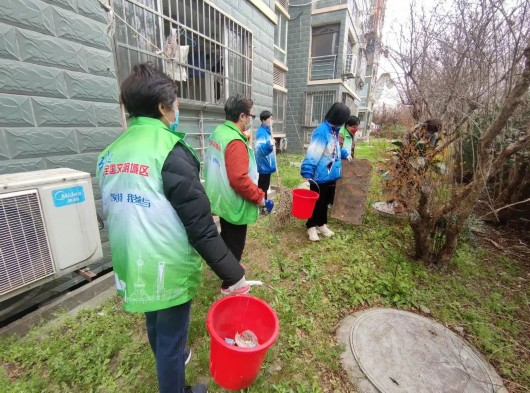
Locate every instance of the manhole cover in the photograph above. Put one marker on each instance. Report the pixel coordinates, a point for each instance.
(400, 351)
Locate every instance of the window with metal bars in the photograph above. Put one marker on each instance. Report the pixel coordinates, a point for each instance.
(317, 104)
(324, 50)
(206, 52)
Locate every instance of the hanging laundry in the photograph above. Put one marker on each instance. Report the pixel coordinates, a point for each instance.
(175, 56)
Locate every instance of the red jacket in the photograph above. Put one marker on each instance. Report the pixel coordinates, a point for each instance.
(237, 163)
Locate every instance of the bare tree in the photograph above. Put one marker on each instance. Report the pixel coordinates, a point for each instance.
(467, 63)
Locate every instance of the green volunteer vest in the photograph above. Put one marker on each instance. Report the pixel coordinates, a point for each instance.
(226, 203)
(348, 140)
(154, 265)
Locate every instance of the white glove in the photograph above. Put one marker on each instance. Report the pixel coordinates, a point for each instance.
(239, 288)
(349, 158)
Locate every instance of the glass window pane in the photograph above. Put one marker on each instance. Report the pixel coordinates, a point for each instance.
(283, 40)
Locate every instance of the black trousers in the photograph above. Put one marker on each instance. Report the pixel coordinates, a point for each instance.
(234, 236)
(264, 181)
(331, 197)
(320, 214)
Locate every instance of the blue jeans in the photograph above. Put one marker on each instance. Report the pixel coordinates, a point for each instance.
(168, 331)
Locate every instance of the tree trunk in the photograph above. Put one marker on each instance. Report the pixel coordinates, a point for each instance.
(449, 247)
(422, 241)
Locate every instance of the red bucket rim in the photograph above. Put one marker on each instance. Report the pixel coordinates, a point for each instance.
(313, 194)
(213, 334)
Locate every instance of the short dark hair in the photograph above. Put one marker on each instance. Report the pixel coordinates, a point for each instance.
(236, 105)
(338, 114)
(145, 88)
(265, 115)
(352, 121)
(433, 125)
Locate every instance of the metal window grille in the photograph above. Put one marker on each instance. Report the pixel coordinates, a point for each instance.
(323, 67)
(317, 104)
(279, 77)
(25, 255)
(324, 51)
(279, 100)
(205, 51)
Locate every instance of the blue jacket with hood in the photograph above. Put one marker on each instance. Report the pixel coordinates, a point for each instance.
(264, 151)
(322, 162)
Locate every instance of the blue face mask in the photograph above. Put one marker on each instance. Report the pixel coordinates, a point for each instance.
(173, 126)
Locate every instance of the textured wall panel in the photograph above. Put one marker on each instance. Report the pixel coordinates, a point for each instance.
(91, 87)
(22, 78)
(70, 5)
(81, 162)
(96, 139)
(93, 10)
(108, 115)
(30, 14)
(8, 42)
(15, 111)
(67, 113)
(13, 166)
(33, 142)
(76, 28)
(51, 51)
(4, 148)
(100, 62)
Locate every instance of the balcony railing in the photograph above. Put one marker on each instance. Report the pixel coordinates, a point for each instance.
(323, 67)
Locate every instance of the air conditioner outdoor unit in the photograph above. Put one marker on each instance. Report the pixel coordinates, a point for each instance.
(48, 227)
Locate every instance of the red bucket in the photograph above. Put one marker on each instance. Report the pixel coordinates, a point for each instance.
(304, 202)
(234, 367)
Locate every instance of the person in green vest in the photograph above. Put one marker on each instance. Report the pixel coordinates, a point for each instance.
(231, 174)
(160, 222)
(347, 134)
(347, 142)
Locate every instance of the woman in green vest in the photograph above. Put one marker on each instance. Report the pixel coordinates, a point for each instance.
(231, 174)
(347, 134)
(160, 222)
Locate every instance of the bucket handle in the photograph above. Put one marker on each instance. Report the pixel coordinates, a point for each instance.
(315, 184)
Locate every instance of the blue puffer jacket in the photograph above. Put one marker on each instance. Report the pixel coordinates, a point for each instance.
(264, 151)
(322, 161)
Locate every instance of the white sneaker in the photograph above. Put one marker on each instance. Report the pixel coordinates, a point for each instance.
(313, 234)
(325, 231)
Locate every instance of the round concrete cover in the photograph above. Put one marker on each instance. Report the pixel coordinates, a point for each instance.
(403, 352)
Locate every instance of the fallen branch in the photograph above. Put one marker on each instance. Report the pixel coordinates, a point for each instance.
(505, 207)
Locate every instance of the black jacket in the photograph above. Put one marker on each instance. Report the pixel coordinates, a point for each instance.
(183, 189)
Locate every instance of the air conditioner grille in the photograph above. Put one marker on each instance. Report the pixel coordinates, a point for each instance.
(25, 255)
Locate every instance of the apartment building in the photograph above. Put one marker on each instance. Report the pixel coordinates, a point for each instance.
(328, 62)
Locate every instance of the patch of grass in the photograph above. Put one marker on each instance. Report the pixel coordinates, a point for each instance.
(312, 287)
